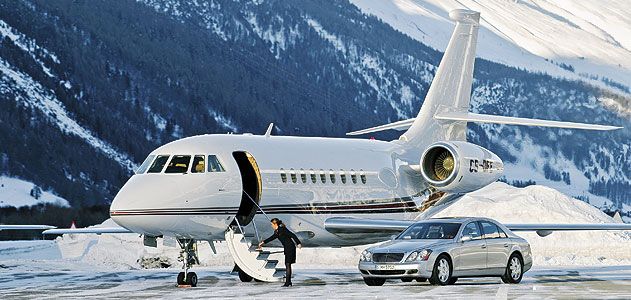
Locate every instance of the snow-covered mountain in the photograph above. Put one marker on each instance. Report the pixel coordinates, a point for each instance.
(87, 89)
(17, 193)
(586, 40)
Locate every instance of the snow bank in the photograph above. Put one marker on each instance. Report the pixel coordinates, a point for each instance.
(16, 192)
(539, 204)
(533, 204)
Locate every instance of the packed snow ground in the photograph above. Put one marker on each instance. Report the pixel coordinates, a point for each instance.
(571, 264)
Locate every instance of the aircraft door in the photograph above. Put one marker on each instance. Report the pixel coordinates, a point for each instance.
(252, 186)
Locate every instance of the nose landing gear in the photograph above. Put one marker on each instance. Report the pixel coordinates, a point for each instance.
(188, 256)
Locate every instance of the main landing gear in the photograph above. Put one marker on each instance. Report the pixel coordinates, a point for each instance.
(188, 256)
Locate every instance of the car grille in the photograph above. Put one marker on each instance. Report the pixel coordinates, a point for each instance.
(387, 257)
(387, 272)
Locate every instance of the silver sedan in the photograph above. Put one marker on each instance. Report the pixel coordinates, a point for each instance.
(443, 250)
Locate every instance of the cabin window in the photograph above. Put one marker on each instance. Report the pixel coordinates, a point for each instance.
(199, 165)
(283, 176)
(145, 164)
(293, 176)
(158, 164)
(322, 176)
(342, 176)
(214, 165)
(313, 176)
(353, 177)
(303, 176)
(178, 164)
(362, 176)
(332, 174)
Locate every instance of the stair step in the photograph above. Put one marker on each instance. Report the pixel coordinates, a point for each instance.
(271, 264)
(263, 255)
(279, 273)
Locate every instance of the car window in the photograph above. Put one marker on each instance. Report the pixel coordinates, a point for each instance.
(472, 230)
(430, 231)
(502, 233)
(490, 230)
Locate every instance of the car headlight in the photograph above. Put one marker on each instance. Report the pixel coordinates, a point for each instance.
(421, 255)
(366, 256)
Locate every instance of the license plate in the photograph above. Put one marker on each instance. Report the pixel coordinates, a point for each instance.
(385, 267)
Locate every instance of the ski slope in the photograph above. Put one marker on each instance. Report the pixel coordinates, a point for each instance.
(16, 192)
(593, 37)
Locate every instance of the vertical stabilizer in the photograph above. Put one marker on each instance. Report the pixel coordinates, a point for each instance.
(451, 88)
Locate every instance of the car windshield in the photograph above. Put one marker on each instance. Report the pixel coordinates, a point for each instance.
(430, 231)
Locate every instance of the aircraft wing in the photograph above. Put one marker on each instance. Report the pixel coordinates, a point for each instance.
(97, 230)
(26, 227)
(356, 225)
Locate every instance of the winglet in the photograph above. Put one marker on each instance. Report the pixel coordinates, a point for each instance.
(268, 133)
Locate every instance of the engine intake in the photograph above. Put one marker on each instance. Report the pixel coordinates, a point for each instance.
(459, 167)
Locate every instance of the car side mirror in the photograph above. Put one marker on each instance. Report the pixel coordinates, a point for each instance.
(465, 238)
(393, 237)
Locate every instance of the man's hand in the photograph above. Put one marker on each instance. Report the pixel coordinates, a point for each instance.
(260, 246)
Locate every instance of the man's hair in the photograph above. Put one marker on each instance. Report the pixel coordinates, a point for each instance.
(276, 221)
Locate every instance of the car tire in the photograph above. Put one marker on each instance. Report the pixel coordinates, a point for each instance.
(514, 269)
(453, 280)
(441, 274)
(370, 281)
(407, 279)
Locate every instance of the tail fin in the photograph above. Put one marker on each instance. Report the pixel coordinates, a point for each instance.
(451, 87)
(445, 112)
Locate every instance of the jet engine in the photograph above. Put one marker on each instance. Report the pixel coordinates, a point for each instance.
(459, 167)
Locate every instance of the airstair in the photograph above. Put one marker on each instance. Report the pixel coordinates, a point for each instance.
(266, 266)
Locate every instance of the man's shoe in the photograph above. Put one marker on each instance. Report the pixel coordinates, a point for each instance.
(287, 284)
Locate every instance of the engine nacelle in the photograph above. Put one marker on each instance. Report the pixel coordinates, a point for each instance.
(459, 167)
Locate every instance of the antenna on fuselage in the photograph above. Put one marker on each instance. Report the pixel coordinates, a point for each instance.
(268, 133)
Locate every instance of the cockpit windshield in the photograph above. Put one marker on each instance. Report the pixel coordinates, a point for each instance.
(158, 164)
(430, 231)
(178, 164)
(145, 164)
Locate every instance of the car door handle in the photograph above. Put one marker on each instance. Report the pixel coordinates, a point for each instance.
(483, 246)
(506, 245)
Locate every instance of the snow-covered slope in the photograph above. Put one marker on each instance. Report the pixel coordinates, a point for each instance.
(534, 204)
(590, 40)
(16, 192)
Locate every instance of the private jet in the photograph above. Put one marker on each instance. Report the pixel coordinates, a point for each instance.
(331, 191)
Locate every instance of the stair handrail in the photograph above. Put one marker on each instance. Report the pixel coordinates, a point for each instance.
(257, 205)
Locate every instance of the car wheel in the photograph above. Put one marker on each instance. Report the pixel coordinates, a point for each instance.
(453, 280)
(442, 271)
(407, 279)
(374, 281)
(514, 269)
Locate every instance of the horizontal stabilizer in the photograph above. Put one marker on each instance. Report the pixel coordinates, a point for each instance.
(97, 230)
(471, 117)
(400, 125)
(26, 227)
